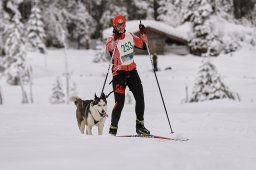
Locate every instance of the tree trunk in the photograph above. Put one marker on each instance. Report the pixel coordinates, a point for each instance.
(1, 98)
(156, 6)
(243, 7)
(67, 75)
(237, 9)
(23, 91)
(31, 85)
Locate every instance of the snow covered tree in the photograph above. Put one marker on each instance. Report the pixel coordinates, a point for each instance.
(243, 7)
(100, 54)
(225, 8)
(253, 16)
(73, 90)
(73, 17)
(56, 21)
(4, 26)
(205, 39)
(81, 24)
(208, 85)
(12, 6)
(110, 12)
(15, 60)
(168, 12)
(250, 18)
(1, 9)
(138, 9)
(35, 29)
(150, 10)
(58, 94)
(96, 9)
(1, 27)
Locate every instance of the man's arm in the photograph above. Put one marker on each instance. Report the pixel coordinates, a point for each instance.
(140, 42)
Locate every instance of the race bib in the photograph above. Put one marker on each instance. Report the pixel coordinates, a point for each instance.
(126, 49)
(127, 58)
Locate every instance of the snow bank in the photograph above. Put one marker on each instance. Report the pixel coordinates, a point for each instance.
(230, 31)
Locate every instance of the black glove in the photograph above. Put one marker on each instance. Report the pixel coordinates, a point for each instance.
(142, 29)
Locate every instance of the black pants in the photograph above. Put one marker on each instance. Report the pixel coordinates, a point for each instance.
(120, 81)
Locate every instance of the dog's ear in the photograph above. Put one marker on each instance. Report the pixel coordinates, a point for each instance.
(103, 96)
(95, 96)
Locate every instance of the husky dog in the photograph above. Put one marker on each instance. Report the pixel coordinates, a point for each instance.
(90, 113)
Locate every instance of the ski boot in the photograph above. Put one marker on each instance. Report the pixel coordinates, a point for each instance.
(113, 130)
(140, 128)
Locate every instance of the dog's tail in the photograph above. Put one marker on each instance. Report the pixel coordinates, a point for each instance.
(74, 99)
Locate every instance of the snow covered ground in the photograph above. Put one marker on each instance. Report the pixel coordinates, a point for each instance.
(44, 137)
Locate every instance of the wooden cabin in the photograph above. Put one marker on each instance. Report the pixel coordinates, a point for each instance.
(162, 37)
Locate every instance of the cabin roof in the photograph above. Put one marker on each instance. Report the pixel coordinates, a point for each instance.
(156, 26)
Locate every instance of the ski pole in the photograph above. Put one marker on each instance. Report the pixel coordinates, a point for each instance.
(159, 88)
(105, 80)
(107, 71)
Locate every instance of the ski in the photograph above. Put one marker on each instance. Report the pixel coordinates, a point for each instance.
(153, 136)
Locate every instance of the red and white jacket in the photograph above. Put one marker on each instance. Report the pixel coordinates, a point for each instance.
(122, 50)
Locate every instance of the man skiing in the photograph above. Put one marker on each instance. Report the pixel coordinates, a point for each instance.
(121, 47)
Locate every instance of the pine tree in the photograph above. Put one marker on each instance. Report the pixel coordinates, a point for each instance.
(143, 9)
(243, 7)
(1, 27)
(35, 29)
(57, 18)
(96, 9)
(58, 94)
(150, 10)
(110, 12)
(73, 90)
(1, 9)
(208, 85)
(13, 7)
(205, 40)
(4, 25)
(100, 53)
(225, 7)
(168, 12)
(15, 61)
(253, 15)
(81, 24)
(137, 9)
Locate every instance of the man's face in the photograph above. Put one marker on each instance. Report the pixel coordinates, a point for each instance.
(120, 27)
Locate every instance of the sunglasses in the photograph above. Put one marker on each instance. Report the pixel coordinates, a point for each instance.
(120, 25)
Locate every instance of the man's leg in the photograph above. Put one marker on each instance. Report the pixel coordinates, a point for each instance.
(134, 84)
(119, 93)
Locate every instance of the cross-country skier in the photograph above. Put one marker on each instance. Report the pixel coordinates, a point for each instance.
(121, 45)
